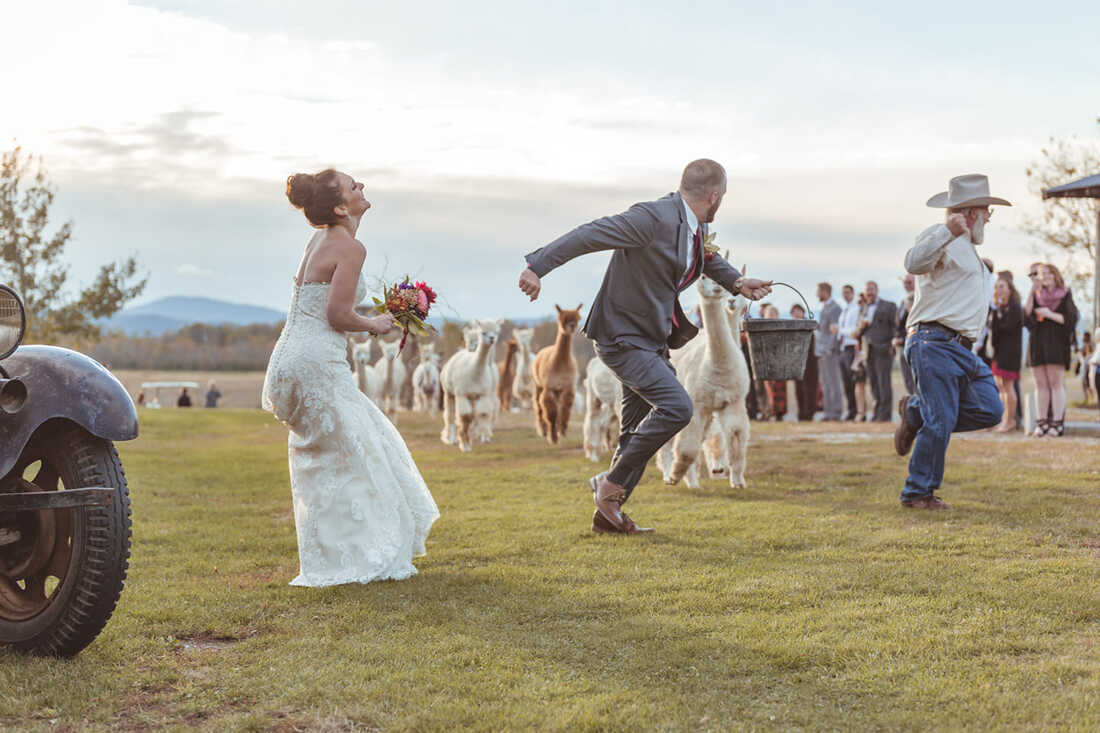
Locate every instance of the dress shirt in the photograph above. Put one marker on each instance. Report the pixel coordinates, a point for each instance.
(693, 224)
(953, 285)
(849, 322)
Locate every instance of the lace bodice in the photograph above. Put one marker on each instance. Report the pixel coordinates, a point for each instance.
(361, 508)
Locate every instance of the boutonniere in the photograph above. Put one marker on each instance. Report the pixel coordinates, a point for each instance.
(710, 249)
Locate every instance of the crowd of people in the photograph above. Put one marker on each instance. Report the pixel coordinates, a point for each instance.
(858, 340)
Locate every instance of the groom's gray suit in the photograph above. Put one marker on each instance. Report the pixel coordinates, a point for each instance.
(636, 316)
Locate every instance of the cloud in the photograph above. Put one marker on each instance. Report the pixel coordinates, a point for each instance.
(189, 270)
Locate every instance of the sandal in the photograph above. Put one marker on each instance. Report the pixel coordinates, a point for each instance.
(1042, 428)
(1057, 429)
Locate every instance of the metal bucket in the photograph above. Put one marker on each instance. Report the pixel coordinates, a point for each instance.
(780, 347)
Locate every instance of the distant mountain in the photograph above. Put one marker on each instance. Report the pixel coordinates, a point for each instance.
(173, 313)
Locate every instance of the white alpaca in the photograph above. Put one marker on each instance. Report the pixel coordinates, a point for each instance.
(469, 382)
(365, 376)
(471, 336)
(713, 371)
(603, 409)
(523, 390)
(391, 373)
(425, 381)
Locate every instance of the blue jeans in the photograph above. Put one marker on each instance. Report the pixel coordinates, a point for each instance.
(955, 393)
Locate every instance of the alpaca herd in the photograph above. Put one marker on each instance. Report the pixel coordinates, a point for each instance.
(473, 386)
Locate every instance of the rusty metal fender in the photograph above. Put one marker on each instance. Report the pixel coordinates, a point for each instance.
(62, 383)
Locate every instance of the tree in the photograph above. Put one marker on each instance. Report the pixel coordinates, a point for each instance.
(1067, 226)
(31, 261)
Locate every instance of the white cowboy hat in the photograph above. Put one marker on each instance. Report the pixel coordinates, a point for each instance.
(966, 191)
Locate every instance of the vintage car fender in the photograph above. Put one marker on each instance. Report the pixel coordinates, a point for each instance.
(62, 383)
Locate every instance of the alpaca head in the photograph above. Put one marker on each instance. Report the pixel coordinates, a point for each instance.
(361, 354)
(427, 351)
(471, 335)
(390, 350)
(710, 290)
(490, 331)
(523, 336)
(737, 306)
(568, 320)
(513, 346)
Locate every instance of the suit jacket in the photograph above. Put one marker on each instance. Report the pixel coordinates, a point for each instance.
(825, 341)
(880, 332)
(637, 302)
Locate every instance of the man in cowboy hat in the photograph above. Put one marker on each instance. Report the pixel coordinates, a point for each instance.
(955, 389)
(660, 249)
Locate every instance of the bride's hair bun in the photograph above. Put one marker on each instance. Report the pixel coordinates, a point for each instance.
(317, 195)
(300, 188)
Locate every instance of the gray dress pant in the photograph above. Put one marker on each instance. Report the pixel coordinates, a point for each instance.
(832, 385)
(655, 407)
(879, 365)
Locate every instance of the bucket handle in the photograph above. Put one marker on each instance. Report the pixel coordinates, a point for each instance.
(809, 311)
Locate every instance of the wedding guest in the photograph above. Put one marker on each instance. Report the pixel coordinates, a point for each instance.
(1051, 318)
(1083, 366)
(777, 388)
(955, 389)
(212, 394)
(1006, 336)
(1093, 367)
(909, 283)
(184, 399)
(859, 365)
(846, 327)
(659, 250)
(807, 389)
(826, 349)
(879, 324)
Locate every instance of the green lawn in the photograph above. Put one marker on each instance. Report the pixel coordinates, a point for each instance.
(809, 601)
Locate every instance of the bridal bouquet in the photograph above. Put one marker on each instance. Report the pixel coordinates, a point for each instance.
(408, 303)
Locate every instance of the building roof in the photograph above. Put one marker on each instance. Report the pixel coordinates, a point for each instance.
(1087, 187)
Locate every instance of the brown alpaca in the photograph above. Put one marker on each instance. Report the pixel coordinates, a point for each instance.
(507, 376)
(554, 373)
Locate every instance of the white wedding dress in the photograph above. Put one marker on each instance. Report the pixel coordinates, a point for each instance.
(361, 508)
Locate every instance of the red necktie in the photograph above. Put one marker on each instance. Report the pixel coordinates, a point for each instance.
(694, 257)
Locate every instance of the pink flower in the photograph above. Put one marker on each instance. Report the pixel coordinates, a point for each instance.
(422, 301)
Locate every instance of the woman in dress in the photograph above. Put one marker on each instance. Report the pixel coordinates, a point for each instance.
(1051, 317)
(361, 508)
(1006, 333)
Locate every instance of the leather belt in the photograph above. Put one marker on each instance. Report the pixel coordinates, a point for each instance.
(967, 343)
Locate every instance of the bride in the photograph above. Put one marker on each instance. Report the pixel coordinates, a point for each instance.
(361, 509)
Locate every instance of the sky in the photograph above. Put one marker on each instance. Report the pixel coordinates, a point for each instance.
(484, 130)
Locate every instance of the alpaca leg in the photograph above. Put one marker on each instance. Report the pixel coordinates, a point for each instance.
(540, 413)
(465, 422)
(550, 416)
(665, 459)
(686, 449)
(738, 449)
(565, 408)
(718, 455)
(449, 435)
(591, 432)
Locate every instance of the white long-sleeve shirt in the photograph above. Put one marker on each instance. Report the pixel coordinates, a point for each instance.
(849, 322)
(953, 285)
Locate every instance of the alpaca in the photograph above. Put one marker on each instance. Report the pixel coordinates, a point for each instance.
(471, 336)
(603, 409)
(365, 376)
(469, 380)
(391, 373)
(523, 389)
(715, 375)
(554, 375)
(507, 376)
(425, 380)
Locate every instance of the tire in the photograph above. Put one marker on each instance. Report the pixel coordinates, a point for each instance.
(85, 597)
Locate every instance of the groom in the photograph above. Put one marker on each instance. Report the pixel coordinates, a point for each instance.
(636, 317)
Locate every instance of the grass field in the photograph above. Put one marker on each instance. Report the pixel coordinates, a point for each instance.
(809, 601)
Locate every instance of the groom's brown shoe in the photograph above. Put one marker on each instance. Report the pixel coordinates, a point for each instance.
(905, 433)
(602, 526)
(609, 500)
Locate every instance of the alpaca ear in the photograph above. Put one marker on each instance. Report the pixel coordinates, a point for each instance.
(558, 307)
(580, 306)
(726, 255)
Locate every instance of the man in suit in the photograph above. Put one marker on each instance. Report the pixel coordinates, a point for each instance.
(846, 327)
(879, 326)
(909, 282)
(636, 316)
(827, 350)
